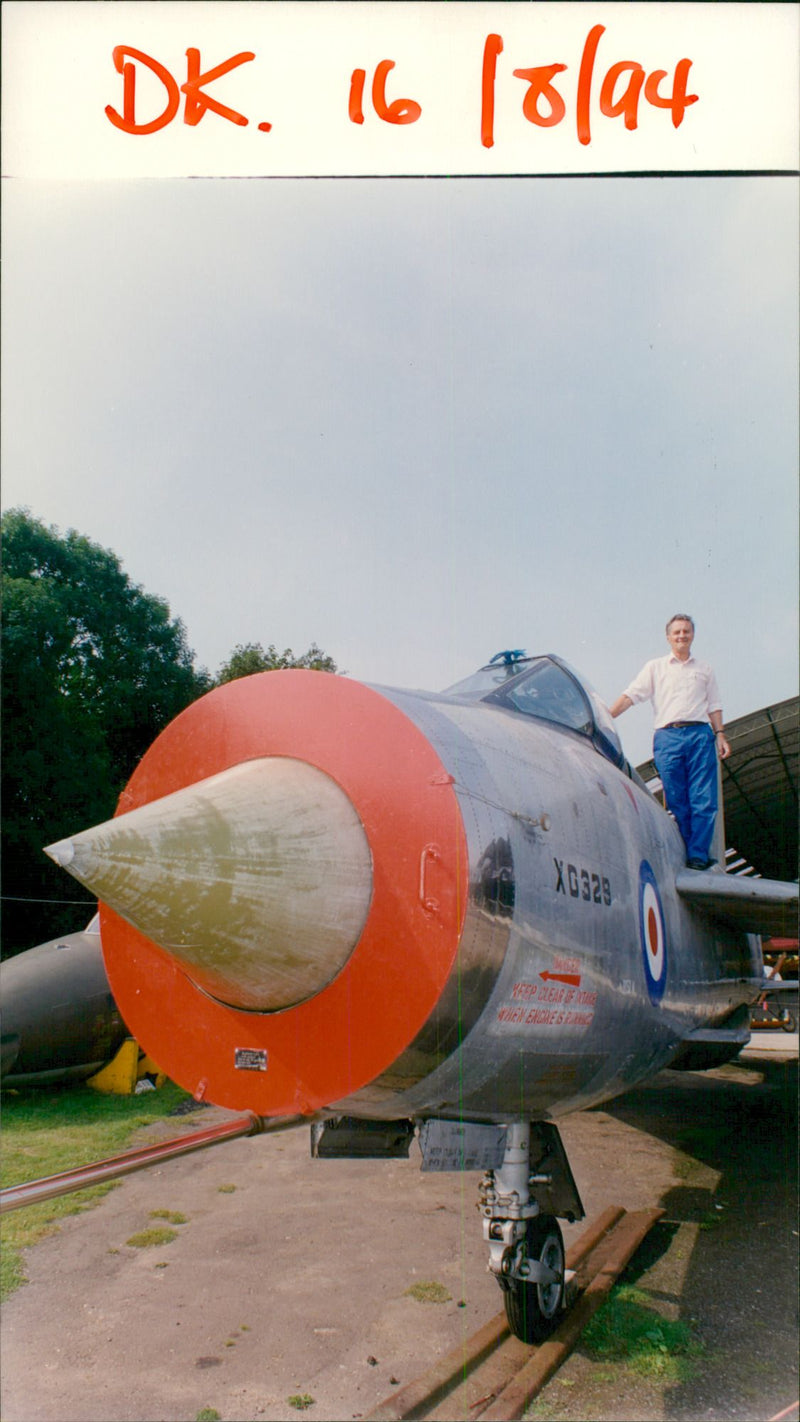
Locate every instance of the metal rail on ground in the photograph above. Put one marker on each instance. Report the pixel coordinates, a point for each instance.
(494, 1376)
(33, 1192)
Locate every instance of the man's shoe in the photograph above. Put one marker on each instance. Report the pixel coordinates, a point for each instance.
(697, 864)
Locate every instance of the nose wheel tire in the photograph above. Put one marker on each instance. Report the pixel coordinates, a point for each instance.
(533, 1309)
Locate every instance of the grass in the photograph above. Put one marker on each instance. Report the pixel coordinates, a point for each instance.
(151, 1238)
(683, 1167)
(46, 1131)
(301, 1400)
(628, 1330)
(428, 1292)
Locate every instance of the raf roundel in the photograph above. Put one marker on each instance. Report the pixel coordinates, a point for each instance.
(652, 933)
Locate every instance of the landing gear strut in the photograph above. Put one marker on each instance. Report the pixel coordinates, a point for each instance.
(519, 1202)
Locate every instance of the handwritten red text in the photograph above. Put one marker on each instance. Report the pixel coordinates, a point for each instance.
(620, 90)
(197, 101)
(616, 91)
(399, 111)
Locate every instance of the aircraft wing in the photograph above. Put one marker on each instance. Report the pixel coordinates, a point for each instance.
(749, 905)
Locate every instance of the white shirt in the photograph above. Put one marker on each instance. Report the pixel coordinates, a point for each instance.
(679, 691)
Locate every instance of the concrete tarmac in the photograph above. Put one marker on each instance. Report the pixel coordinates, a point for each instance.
(293, 1281)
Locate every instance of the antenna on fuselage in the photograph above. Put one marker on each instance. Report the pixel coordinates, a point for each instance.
(509, 659)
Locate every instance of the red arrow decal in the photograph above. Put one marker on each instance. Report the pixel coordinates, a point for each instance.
(573, 978)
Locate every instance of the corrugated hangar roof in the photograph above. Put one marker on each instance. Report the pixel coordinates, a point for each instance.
(759, 789)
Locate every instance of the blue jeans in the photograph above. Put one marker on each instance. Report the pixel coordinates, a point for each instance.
(686, 760)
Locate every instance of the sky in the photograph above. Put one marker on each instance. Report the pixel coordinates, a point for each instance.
(418, 421)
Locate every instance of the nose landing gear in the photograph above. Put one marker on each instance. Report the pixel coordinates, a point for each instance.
(534, 1301)
(519, 1202)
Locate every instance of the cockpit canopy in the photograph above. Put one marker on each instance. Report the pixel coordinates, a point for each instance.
(549, 689)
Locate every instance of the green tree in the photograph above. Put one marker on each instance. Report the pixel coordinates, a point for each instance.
(251, 657)
(92, 669)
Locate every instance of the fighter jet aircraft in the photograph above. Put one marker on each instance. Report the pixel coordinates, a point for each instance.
(59, 1019)
(459, 914)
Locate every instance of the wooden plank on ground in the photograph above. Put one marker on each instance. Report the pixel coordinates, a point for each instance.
(425, 1394)
(550, 1355)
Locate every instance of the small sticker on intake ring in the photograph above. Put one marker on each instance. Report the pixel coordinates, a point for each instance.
(250, 1059)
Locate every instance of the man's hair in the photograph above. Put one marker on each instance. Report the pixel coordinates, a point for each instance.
(680, 617)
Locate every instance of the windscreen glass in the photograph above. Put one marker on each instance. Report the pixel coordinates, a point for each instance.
(549, 693)
(549, 689)
(488, 679)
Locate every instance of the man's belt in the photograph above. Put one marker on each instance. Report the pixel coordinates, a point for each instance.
(677, 725)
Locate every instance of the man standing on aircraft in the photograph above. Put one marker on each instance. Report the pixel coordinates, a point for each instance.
(688, 735)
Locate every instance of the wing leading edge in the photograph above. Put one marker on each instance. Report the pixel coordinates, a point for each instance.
(766, 906)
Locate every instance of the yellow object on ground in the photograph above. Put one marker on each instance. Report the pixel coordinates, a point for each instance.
(121, 1076)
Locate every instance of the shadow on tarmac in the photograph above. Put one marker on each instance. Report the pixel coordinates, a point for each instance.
(735, 1131)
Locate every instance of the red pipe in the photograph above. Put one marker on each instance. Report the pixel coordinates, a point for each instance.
(51, 1186)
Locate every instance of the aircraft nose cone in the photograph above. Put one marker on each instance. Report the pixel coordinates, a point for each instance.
(258, 879)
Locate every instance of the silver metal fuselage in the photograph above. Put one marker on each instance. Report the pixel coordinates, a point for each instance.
(551, 1005)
